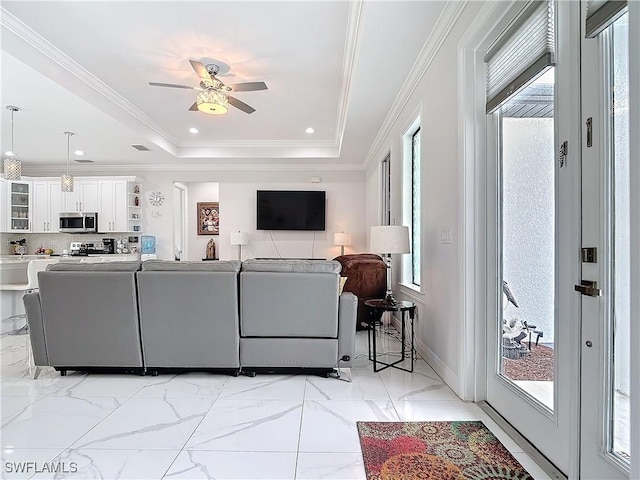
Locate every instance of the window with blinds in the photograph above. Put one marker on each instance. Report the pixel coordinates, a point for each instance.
(521, 52)
(601, 14)
(386, 190)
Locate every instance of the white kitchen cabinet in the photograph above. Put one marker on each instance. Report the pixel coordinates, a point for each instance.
(119, 204)
(84, 197)
(3, 209)
(46, 202)
(112, 206)
(19, 206)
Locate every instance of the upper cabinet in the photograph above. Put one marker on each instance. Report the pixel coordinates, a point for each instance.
(19, 206)
(84, 197)
(46, 201)
(118, 205)
(33, 205)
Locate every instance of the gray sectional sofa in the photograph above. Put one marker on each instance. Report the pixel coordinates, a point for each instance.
(145, 317)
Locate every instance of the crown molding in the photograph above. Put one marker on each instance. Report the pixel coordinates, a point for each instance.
(82, 170)
(438, 35)
(348, 63)
(34, 40)
(68, 73)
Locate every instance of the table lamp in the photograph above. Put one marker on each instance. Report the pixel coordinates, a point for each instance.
(342, 239)
(239, 238)
(386, 240)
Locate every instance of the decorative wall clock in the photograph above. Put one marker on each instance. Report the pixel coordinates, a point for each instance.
(156, 198)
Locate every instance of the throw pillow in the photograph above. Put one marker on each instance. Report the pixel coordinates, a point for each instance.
(343, 280)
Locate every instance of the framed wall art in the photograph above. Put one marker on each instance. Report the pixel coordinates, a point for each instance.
(208, 218)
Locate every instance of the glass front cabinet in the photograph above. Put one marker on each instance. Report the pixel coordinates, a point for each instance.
(19, 203)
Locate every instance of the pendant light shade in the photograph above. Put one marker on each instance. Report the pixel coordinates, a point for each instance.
(66, 181)
(12, 166)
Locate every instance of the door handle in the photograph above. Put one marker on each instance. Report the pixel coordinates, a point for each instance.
(589, 288)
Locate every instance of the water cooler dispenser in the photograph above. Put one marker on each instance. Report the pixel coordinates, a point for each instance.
(148, 247)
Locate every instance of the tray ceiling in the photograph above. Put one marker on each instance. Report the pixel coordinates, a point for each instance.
(335, 66)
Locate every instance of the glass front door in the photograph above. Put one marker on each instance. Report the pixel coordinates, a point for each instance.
(606, 222)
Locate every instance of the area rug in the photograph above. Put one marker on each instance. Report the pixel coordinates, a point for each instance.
(435, 451)
(537, 366)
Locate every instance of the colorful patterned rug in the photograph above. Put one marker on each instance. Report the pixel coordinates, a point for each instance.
(435, 451)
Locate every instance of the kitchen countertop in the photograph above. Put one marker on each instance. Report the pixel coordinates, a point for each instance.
(13, 268)
(27, 258)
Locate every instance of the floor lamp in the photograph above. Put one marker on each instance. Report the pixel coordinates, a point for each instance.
(387, 240)
(239, 238)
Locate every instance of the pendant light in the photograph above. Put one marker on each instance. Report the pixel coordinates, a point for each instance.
(12, 166)
(66, 181)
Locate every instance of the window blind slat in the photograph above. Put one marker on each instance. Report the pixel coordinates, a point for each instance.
(521, 52)
(601, 14)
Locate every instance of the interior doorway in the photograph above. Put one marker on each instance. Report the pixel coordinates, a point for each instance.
(179, 221)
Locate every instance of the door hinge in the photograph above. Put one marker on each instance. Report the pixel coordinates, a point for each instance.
(564, 151)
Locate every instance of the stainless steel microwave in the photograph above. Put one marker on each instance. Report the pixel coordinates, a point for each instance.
(75, 222)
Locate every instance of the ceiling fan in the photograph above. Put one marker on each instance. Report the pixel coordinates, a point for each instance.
(213, 95)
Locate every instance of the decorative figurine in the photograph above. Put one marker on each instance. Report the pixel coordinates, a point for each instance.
(211, 250)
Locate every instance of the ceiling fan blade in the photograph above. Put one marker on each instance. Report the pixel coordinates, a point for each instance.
(194, 107)
(241, 105)
(248, 87)
(171, 85)
(200, 69)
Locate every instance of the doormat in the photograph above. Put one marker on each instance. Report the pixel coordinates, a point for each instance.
(435, 451)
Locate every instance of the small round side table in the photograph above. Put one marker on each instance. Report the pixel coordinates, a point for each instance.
(376, 308)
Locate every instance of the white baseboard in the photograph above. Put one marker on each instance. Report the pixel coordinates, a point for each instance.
(450, 377)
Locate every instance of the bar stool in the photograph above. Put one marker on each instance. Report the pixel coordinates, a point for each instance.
(33, 267)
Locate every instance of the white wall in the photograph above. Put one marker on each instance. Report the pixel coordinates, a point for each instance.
(236, 195)
(438, 327)
(345, 208)
(197, 244)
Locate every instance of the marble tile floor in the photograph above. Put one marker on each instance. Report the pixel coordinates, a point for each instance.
(202, 425)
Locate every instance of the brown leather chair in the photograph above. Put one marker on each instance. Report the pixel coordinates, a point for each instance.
(366, 278)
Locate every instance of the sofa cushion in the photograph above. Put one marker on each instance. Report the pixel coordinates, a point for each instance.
(343, 280)
(173, 266)
(94, 267)
(276, 304)
(291, 265)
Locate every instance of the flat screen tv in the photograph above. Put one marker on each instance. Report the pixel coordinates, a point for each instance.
(290, 210)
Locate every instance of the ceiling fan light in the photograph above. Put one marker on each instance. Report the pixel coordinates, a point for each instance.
(212, 102)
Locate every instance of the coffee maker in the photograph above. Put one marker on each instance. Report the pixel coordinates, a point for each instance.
(109, 245)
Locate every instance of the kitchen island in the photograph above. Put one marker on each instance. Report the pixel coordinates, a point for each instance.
(13, 272)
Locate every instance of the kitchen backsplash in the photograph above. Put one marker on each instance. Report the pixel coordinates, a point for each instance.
(57, 242)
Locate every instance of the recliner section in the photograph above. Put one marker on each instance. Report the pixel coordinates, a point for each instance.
(192, 315)
(189, 314)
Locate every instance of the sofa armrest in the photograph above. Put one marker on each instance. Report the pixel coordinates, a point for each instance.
(36, 328)
(347, 313)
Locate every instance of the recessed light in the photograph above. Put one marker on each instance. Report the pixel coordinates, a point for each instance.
(310, 130)
(78, 152)
(193, 130)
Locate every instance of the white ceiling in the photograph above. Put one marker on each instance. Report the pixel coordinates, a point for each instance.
(84, 66)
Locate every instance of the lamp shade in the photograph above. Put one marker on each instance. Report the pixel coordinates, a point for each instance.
(239, 238)
(342, 238)
(390, 239)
